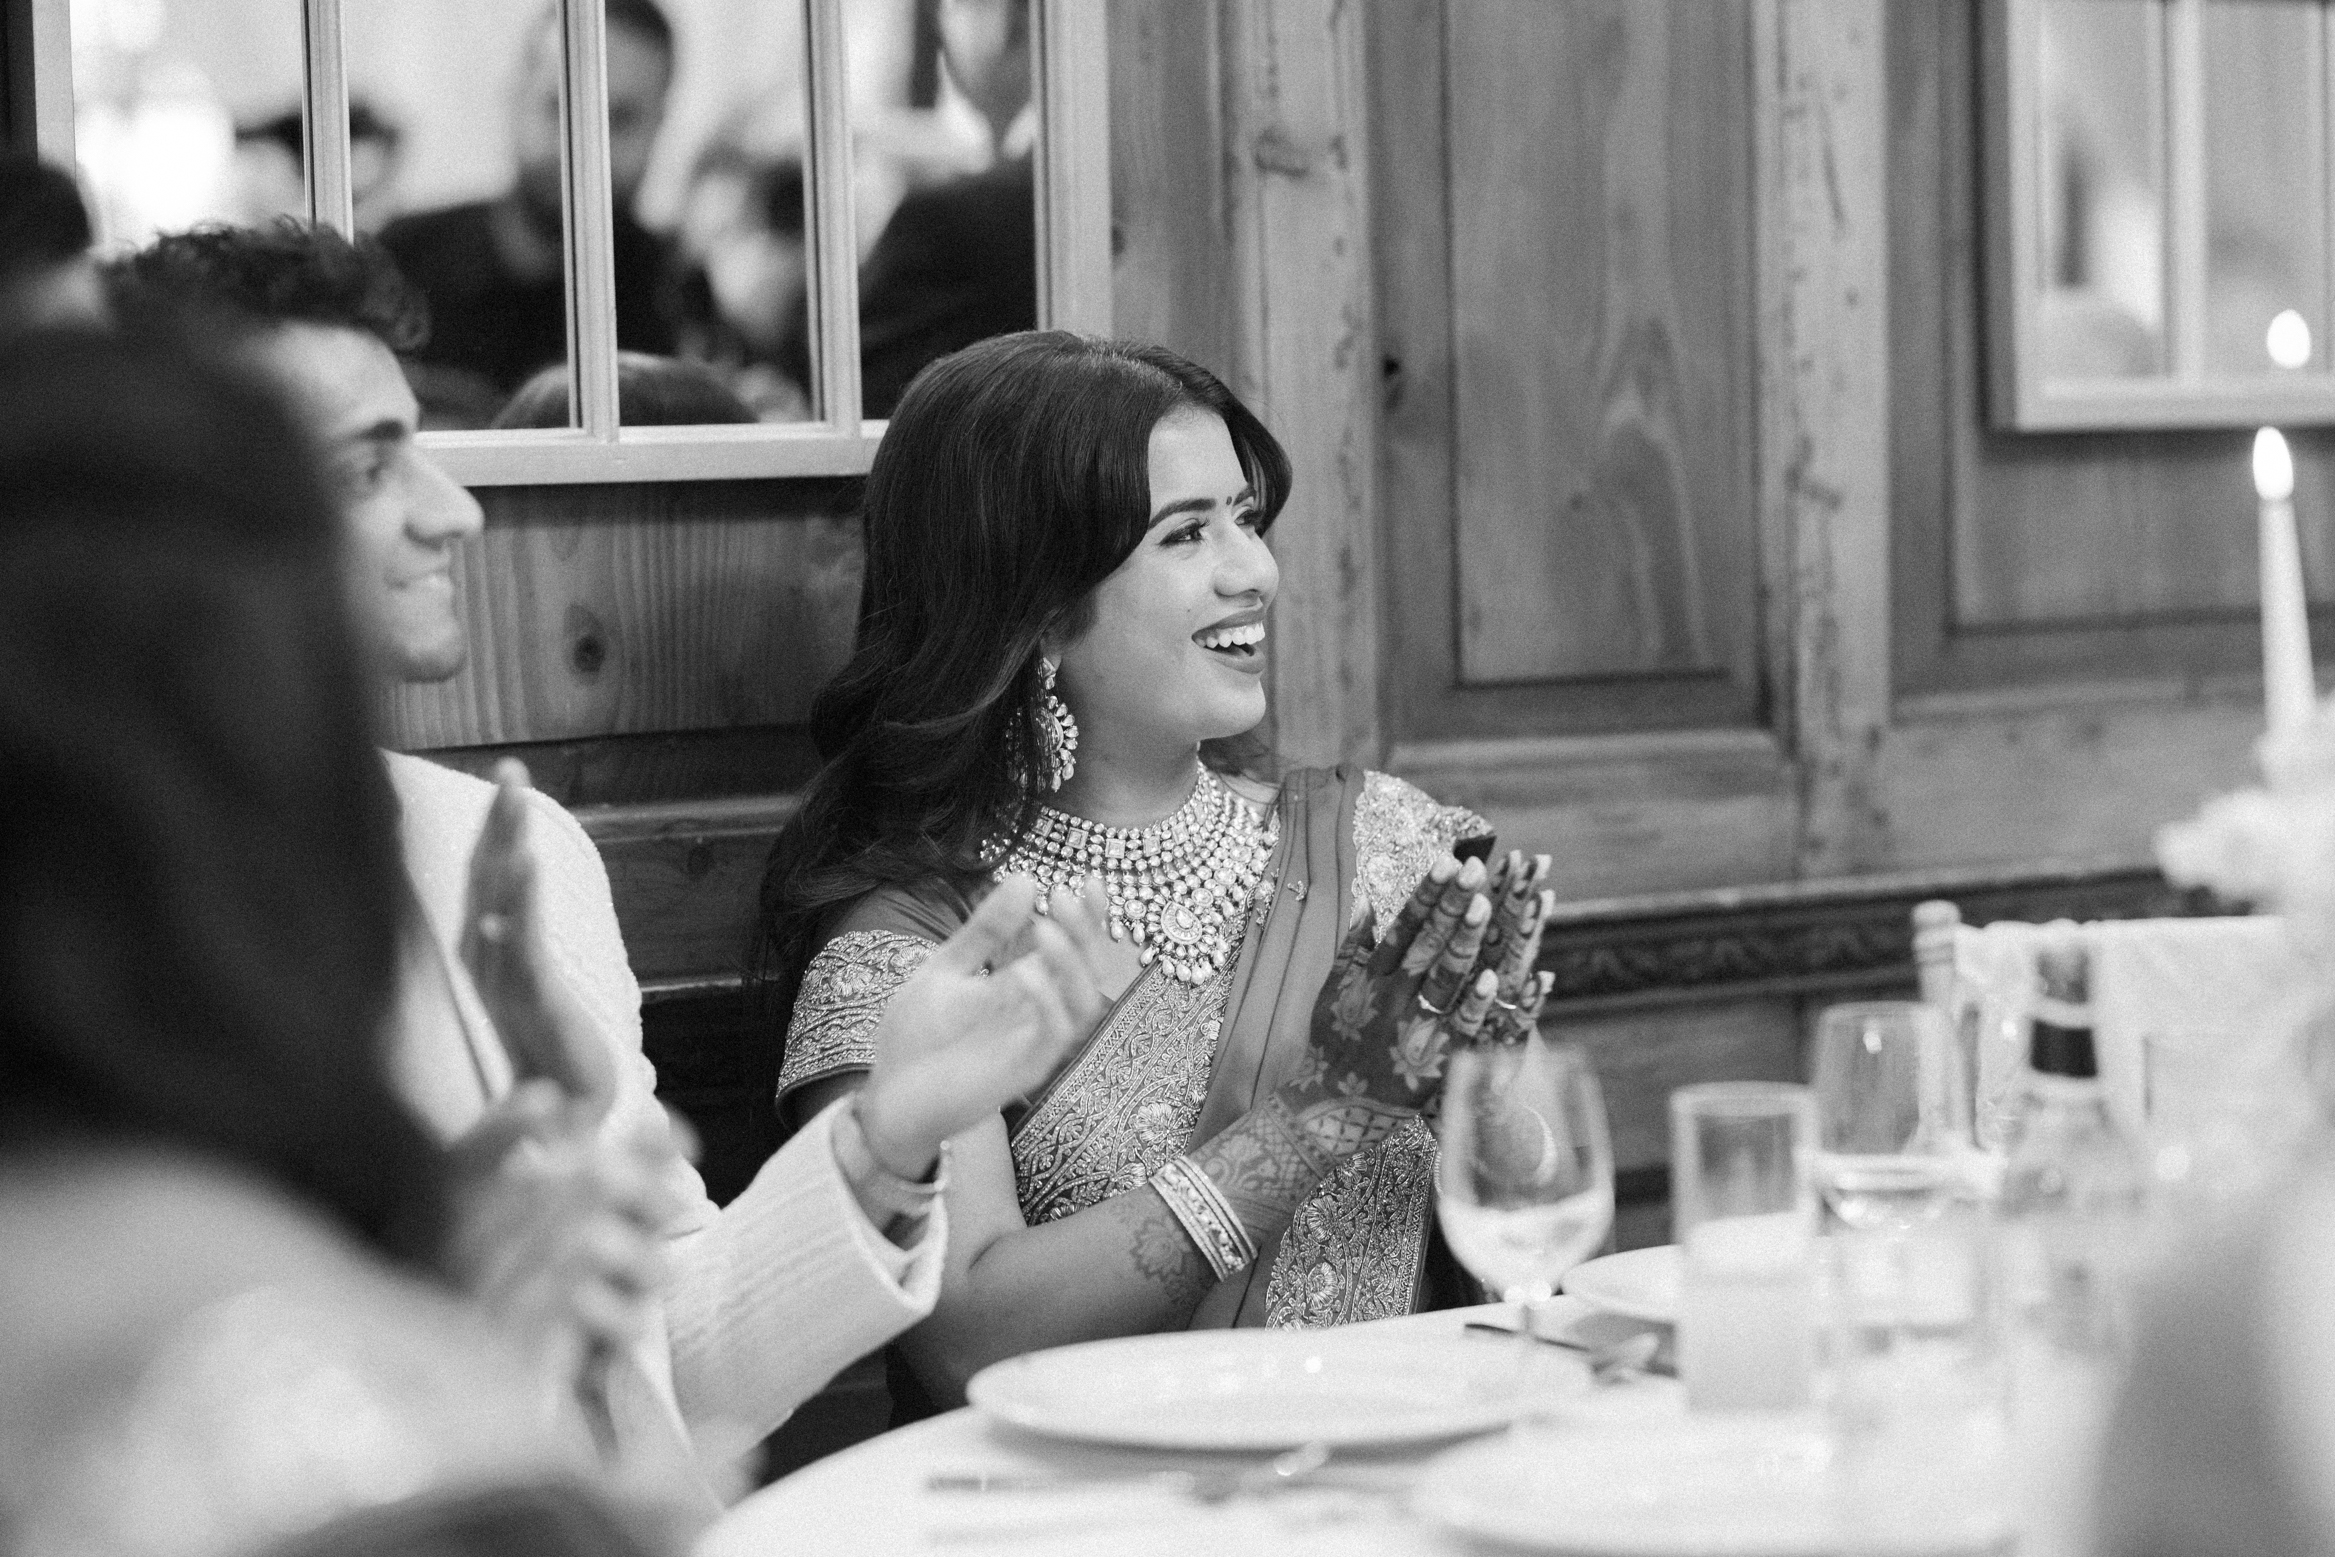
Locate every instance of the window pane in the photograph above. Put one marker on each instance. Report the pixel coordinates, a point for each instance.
(722, 189)
(472, 93)
(945, 131)
(2102, 186)
(2266, 186)
(186, 111)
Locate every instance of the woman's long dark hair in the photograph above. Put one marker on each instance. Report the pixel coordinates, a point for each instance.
(1015, 477)
(198, 870)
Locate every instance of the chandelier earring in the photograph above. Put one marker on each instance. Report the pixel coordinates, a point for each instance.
(1057, 731)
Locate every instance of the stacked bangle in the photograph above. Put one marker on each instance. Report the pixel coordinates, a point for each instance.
(1206, 1215)
(902, 1197)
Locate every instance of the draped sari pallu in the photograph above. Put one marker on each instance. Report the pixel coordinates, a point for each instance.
(1172, 1064)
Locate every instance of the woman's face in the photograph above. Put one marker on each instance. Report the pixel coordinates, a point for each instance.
(1176, 654)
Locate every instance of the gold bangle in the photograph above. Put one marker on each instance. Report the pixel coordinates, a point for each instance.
(1195, 1201)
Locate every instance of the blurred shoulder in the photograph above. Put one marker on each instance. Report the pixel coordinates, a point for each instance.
(209, 1366)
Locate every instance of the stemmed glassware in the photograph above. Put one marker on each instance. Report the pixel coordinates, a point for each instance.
(1525, 1176)
(1892, 1114)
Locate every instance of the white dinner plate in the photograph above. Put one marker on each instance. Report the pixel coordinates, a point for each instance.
(1270, 1389)
(1750, 1484)
(1636, 1283)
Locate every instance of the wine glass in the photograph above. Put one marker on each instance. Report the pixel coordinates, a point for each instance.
(1524, 1179)
(1892, 1114)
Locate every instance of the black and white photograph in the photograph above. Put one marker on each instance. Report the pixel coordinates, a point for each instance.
(1095, 778)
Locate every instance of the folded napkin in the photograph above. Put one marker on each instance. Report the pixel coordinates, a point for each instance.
(2235, 983)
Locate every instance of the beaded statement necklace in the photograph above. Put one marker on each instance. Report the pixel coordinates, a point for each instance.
(1181, 888)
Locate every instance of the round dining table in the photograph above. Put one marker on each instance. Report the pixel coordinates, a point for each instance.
(879, 1498)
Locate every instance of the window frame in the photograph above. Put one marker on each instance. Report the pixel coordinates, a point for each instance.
(2020, 398)
(1071, 86)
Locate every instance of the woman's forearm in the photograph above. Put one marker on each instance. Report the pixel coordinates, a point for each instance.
(1125, 1266)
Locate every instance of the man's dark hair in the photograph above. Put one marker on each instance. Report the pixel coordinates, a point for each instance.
(645, 17)
(42, 221)
(284, 272)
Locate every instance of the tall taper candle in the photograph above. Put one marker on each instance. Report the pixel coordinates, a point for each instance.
(2289, 690)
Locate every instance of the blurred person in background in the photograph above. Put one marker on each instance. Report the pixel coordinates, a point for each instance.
(226, 1313)
(46, 275)
(958, 261)
(271, 166)
(650, 392)
(494, 271)
(743, 238)
(519, 1017)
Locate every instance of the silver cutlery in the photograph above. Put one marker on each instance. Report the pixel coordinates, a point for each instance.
(1213, 1484)
(1608, 1364)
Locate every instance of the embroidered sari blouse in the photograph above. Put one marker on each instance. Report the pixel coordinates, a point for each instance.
(1130, 1099)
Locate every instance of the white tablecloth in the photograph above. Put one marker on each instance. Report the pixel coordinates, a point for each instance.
(872, 1499)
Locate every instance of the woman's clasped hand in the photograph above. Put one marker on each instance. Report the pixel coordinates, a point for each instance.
(1460, 949)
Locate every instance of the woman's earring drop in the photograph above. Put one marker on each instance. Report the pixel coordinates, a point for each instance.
(1058, 732)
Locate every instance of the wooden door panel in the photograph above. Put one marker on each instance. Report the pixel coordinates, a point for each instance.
(1599, 167)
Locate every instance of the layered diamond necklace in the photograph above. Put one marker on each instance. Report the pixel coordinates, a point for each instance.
(1181, 888)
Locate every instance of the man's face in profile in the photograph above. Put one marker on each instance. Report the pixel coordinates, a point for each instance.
(404, 516)
(639, 73)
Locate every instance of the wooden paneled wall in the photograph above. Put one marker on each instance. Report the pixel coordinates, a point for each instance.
(620, 611)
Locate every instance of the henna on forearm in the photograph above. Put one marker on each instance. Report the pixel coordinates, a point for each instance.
(1164, 1255)
(1265, 1166)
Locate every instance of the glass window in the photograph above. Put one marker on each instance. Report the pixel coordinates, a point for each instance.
(186, 111)
(945, 132)
(476, 213)
(724, 198)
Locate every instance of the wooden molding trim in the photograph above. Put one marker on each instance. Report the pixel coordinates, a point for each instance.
(1847, 934)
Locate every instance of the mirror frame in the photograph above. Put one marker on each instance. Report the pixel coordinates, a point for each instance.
(2020, 397)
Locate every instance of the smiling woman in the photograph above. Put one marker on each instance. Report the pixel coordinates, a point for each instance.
(1062, 634)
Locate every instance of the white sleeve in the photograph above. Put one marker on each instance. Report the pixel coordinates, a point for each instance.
(773, 1295)
(789, 1286)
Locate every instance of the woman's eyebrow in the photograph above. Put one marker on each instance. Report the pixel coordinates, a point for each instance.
(1201, 505)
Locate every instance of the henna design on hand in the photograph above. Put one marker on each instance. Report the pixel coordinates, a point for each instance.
(1375, 1052)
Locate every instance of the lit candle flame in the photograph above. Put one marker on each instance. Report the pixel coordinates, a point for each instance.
(2273, 467)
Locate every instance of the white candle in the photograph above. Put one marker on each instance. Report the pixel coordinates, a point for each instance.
(2289, 690)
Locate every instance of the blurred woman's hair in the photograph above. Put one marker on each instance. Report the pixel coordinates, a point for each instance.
(1014, 478)
(651, 391)
(199, 880)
